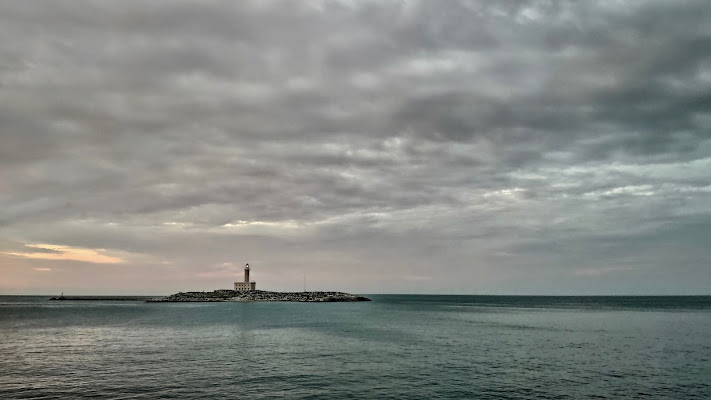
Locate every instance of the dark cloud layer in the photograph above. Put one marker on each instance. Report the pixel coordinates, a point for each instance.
(404, 146)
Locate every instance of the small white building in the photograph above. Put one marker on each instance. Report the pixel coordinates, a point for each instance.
(245, 286)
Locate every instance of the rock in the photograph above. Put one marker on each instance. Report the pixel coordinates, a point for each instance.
(259, 295)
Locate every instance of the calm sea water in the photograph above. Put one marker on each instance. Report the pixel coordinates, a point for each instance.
(396, 347)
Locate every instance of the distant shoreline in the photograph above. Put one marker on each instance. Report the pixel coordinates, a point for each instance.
(585, 296)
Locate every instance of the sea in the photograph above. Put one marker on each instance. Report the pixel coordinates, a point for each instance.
(395, 347)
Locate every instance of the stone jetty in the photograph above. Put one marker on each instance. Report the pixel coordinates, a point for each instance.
(259, 295)
(101, 298)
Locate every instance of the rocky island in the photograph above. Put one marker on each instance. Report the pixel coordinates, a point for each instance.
(259, 295)
(246, 290)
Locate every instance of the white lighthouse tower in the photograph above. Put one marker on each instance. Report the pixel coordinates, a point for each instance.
(246, 285)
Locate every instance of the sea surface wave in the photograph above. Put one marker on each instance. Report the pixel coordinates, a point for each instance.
(395, 347)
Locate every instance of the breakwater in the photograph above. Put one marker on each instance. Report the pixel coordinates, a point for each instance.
(101, 298)
(260, 295)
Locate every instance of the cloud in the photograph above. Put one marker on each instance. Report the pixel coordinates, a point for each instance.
(359, 136)
(58, 252)
(417, 278)
(598, 271)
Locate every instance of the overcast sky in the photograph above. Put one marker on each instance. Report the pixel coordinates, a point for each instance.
(475, 147)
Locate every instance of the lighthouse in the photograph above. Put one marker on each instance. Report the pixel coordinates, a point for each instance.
(246, 285)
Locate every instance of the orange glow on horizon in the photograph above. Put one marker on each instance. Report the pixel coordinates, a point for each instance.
(68, 253)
